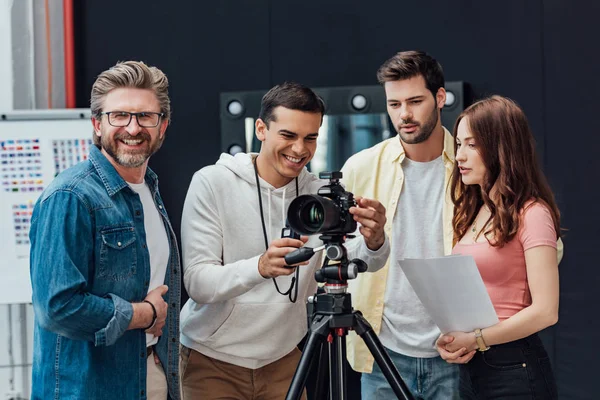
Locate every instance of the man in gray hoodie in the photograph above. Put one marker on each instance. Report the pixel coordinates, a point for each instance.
(238, 335)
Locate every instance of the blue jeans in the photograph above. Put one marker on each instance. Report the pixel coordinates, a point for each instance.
(426, 378)
(515, 370)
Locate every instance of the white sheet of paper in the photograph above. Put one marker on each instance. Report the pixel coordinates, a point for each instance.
(452, 291)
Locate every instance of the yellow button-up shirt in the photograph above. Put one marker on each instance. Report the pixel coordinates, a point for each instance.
(376, 173)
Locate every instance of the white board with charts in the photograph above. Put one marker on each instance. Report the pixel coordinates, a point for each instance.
(35, 145)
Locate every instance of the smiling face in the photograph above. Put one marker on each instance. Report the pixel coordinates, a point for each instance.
(469, 160)
(288, 144)
(131, 146)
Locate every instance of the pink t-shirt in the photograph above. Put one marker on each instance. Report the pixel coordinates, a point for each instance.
(503, 269)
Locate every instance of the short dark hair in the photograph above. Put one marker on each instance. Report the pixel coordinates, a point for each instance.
(293, 96)
(408, 64)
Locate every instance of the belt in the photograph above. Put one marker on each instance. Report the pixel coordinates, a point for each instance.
(149, 351)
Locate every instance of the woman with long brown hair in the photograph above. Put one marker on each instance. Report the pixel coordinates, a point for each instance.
(506, 218)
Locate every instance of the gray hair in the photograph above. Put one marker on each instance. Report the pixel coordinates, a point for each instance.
(130, 74)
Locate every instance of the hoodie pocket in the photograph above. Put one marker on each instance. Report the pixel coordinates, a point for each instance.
(255, 330)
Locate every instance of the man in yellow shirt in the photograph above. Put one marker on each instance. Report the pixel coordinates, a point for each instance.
(409, 175)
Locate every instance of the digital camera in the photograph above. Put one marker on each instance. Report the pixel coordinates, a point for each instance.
(327, 212)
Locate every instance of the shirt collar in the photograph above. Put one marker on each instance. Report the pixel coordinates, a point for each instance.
(113, 182)
(448, 152)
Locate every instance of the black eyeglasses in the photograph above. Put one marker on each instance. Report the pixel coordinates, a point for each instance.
(145, 119)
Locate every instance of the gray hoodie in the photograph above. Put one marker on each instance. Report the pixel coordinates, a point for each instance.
(234, 314)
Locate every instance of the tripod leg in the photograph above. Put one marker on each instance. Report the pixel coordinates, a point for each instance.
(332, 374)
(299, 379)
(338, 376)
(364, 330)
(322, 379)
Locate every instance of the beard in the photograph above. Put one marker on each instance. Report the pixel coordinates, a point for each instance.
(423, 132)
(130, 158)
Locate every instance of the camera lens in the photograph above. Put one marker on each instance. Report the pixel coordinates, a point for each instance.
(313, 215)
(309, 214)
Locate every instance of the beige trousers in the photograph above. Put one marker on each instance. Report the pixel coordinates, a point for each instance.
(156, 382)
(206, 378)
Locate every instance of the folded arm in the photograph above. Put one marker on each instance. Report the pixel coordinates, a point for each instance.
(542, 277)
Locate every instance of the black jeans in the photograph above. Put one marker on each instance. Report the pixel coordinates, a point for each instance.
(515, 370)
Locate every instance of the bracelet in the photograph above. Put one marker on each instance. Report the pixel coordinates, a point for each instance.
(153, 315)
(482, 346)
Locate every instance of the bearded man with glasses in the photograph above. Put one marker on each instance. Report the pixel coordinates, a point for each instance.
(104, 261)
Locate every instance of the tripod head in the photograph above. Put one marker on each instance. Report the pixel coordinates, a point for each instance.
(336, 269)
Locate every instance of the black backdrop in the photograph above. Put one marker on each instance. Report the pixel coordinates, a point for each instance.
(543, 54)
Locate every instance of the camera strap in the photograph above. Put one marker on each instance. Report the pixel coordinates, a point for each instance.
(295, 279)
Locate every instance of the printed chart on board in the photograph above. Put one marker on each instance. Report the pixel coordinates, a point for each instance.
(32, 152)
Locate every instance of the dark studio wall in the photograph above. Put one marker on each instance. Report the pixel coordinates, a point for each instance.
(543, 54)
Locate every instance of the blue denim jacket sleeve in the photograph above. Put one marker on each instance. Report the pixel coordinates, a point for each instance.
(61, 264)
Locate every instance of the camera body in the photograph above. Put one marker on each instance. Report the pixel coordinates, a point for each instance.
(327, 212)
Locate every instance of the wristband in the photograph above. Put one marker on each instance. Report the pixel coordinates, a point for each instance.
(480, 342)
(153, 315)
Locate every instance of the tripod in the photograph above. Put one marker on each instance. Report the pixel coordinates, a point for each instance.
(330, 317)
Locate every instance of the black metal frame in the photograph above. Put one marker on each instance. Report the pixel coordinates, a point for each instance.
(131, 115)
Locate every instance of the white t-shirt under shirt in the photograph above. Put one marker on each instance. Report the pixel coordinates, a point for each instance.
(157, 242)
(416, 233)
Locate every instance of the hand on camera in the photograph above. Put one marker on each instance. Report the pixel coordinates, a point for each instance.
(155, 297)
(272, 263)
(370, 214)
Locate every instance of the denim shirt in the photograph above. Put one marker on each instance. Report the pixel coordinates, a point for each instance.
(89, 262)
